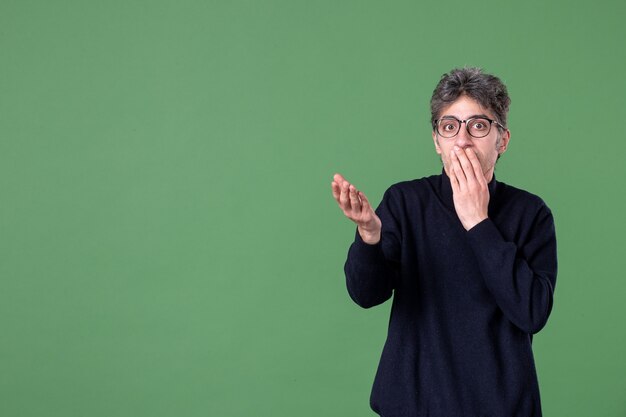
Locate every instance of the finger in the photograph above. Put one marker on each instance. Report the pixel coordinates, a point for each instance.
(336, 190)
(458, 171)
(364, 201)
(466, 165)
(344, 199)
(339, 179)
(454, 182)
(355, 204)
(478, 171)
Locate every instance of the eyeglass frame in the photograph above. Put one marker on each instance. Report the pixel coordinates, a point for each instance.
(491, 122)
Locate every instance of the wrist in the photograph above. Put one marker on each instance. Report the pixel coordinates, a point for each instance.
(371, 237)
(474, 222)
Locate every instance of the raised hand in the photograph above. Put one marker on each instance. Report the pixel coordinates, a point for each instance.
(469, 187)
(357, 208)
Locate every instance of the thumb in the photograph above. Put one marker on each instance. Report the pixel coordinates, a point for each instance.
(365, 202)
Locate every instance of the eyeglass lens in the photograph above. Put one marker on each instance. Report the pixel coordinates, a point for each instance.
(450, 127)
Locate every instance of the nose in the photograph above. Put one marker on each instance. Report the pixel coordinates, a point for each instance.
(463, 138)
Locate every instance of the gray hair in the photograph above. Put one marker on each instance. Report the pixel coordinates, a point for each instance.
(486, 89)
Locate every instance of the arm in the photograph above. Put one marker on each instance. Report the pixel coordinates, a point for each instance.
(521, 279)
(369, 272)
(372, 270)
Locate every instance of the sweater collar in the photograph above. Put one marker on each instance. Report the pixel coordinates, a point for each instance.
(446, 189)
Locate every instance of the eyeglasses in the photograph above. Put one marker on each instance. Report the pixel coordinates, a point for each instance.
(477, 127)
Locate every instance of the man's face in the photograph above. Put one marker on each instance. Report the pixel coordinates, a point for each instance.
(486, 148)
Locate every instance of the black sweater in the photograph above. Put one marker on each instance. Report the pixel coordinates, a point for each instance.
(465, 303)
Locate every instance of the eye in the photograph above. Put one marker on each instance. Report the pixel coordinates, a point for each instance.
(480, 125)
(448, 125)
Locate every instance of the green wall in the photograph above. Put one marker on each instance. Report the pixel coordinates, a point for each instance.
(169, 245)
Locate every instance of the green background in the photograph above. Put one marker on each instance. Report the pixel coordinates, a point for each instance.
(169, 245)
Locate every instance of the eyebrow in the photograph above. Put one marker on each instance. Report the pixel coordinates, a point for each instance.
(482, 116)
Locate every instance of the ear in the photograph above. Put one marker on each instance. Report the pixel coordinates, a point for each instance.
(504, 142)
(436, 142)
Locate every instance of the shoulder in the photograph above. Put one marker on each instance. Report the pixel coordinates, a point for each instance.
(409, 196)
(413, 187)
(514, 198)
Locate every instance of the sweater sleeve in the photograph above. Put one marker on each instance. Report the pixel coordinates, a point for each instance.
(372, 270)
(522, 279)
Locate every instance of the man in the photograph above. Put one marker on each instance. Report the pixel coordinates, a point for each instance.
(470, 261)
